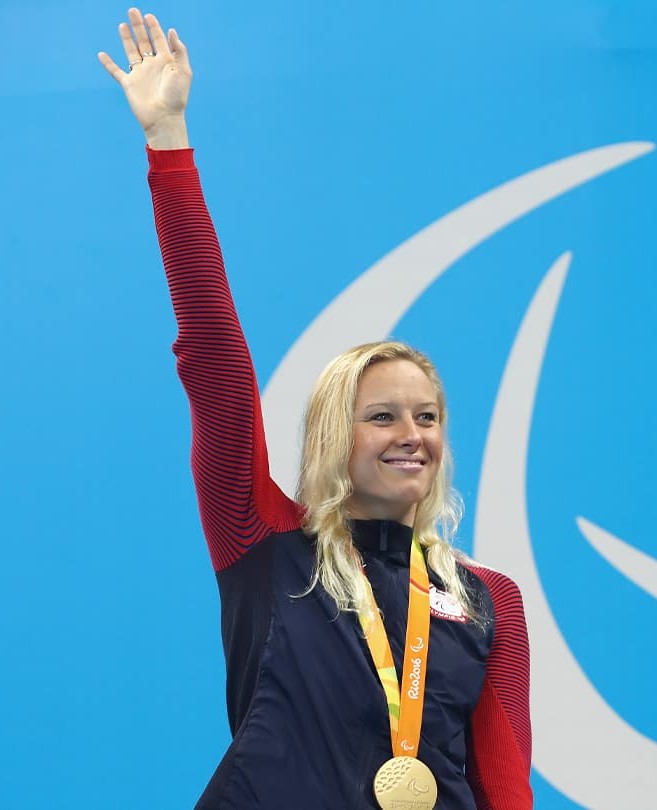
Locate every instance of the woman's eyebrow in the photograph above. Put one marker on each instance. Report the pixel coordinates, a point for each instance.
(429, 404)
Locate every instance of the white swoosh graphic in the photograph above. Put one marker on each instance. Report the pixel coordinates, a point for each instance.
(581, 745)
(636, 565)
(371, 306)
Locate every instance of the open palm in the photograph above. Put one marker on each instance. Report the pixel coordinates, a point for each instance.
(159, 76)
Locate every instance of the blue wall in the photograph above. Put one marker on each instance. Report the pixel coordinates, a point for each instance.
(327, 136)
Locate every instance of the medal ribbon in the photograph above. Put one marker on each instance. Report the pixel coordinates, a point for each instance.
(405, 704)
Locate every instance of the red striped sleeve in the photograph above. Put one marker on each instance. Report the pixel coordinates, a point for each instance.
(239, 503)
(499, 749)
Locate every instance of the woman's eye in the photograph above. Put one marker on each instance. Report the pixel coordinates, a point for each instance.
(381, 417)
(428, 417)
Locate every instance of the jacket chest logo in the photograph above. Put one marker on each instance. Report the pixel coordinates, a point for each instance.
(445, 606)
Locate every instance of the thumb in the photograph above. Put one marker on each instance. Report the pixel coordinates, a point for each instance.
(175, 44)
(178, 49)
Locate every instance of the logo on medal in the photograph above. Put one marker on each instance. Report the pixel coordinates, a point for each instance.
(405, 783)
(417, 791)
(407, 746)
(419, 645)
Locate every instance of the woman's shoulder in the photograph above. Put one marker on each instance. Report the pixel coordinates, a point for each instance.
(490, 576)
(504, 591)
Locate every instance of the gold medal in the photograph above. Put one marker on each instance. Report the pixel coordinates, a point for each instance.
(405, 783)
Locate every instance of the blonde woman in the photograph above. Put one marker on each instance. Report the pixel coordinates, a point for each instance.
(368, 665)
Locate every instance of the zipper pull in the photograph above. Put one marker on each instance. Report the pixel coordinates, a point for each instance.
(383, 536)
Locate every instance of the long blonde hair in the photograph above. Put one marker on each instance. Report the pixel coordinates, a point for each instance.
(325, 486)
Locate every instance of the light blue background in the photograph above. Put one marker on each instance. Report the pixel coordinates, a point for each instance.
(326, 134)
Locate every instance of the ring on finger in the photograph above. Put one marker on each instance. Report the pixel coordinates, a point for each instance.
(132, 64)
(147, 53)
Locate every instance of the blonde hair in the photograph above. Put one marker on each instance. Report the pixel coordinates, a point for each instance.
(325, 486)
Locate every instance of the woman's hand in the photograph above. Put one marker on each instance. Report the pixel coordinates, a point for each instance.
(157, 81)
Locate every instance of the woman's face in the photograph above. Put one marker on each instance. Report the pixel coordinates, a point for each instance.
(397, 442)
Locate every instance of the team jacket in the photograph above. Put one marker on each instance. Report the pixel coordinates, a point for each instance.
(307, 712)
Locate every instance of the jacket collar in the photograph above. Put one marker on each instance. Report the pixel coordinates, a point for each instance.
(382, 537)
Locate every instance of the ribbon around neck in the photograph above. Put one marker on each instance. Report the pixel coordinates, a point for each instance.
(405, 703)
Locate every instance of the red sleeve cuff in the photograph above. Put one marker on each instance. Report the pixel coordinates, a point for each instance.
(170, 160)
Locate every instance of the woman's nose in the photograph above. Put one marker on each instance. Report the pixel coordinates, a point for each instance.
(409, 433)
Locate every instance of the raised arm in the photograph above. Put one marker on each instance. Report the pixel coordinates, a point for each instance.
(499, 743)
(239, 504)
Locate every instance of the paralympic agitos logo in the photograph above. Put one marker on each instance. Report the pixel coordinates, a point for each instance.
(578, 735)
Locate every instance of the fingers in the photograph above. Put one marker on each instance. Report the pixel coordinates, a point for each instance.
(111, 67)
(154, 28)
(143, 37)
(132, 52)
(140, 32)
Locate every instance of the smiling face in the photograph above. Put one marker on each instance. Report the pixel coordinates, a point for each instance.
(397, 442)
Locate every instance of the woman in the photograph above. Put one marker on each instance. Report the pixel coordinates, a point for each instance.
(357, 675)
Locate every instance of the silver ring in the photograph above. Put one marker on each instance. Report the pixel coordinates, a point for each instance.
(132, 64)
(147, 53)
